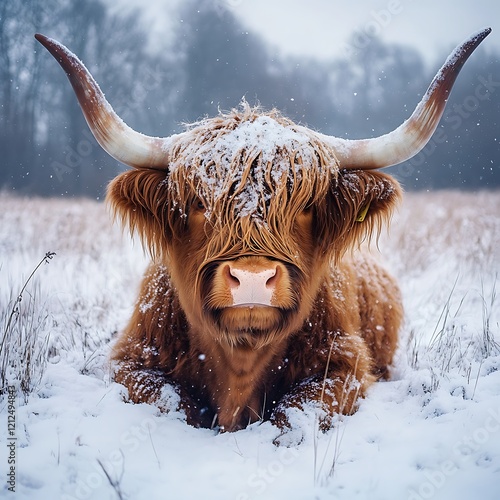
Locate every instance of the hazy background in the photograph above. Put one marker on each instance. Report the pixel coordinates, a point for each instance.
(352, 69)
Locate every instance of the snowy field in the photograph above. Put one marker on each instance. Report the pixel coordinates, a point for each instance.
(432, 431)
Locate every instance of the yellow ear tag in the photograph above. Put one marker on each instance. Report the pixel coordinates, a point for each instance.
(362, 213)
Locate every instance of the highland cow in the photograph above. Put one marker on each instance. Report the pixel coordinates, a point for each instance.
(259, 298)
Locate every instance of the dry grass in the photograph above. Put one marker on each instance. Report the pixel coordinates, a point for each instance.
(23, 347)
(434, 226)
(76, 225)
(73, 307)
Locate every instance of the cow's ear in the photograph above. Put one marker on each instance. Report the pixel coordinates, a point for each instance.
(371, 194)
(359, 203)
(140, 199)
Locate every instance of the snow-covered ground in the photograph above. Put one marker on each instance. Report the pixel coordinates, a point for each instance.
(432, 431)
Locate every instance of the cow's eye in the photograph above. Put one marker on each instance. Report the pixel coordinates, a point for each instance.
(199, 205)
(309, 206)
(197, 215)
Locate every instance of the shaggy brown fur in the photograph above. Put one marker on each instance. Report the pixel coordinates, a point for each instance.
(254, 190)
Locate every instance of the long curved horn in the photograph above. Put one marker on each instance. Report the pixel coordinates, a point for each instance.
(116, 138)
(409, 138)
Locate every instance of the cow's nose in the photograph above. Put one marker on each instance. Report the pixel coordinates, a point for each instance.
(251, 287)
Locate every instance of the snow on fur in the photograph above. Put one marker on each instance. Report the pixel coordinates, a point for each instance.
(250, 154)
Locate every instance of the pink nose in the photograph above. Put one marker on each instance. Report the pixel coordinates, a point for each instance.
(249, 287)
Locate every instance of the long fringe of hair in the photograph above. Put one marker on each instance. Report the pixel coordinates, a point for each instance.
(252, 188)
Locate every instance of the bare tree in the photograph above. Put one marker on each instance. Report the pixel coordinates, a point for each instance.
(46, 145)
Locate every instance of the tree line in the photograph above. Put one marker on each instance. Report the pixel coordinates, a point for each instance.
(211, 64)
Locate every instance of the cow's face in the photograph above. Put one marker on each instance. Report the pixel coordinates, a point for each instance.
(250, 228)
(244, 294)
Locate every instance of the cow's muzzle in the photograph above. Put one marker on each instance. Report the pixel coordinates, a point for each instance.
(252, 285)
(251, 281)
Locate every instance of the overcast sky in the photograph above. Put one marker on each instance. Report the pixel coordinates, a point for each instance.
(323, 28)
